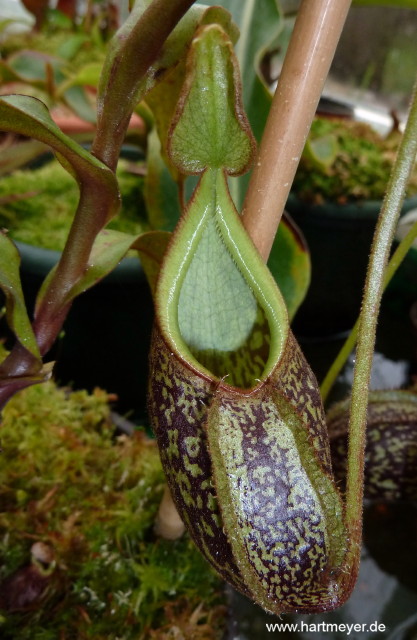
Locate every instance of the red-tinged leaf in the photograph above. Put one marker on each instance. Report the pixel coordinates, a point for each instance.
(109, 248)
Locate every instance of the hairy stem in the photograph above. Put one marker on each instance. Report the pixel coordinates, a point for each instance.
(347, 348)
(374, 286)
(313, 42)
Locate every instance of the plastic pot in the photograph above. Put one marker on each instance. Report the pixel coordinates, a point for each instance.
(105, 338)
(339, 238)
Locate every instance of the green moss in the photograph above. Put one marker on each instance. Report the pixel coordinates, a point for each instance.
(55, 43)
(68, 482)
(357, 167)
(37, 206)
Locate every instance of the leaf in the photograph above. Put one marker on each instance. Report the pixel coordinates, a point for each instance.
(123, 47)
(16, 313)
(163, 97)
(210, 128)
(321, 152)
(76, 99)
(19, 154)
(260, 22)
(163, 100)
(29, 117)
(161, 190)
(31, 66)
(152, 246)
(72, 46)
(289, 263)
(89, 74)
(109, 248)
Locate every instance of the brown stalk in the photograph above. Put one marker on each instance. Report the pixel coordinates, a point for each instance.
(316, 33)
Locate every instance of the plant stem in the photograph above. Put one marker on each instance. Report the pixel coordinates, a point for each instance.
(316, 33)
(168, 522)
(340, 360)
(126, 65)
(135, 48)
(374, 285)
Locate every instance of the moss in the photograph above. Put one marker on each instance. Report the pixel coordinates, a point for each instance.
(66, 481)
(53, 43)
(37, 205)
(360, 166)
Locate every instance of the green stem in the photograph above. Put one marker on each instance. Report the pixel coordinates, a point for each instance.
(374, 285)
(341, 358)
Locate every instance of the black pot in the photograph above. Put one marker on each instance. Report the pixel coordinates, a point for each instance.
(339, 238)
(105, 338)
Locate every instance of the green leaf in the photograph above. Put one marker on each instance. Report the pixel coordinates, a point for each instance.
(260, 22)
(161, 190)
(152, 246)
(31, 66)
(77, 100)
(163, 97)
(16, 313)
(123, 48)
(162, 101)
(322, 151)
(72, 46)
(19, 154)
(109, 248)
(89, 74)
(29, 117)
(210, 128)
(289, 263)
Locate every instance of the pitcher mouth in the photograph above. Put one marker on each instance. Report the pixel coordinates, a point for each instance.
(222, 313)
